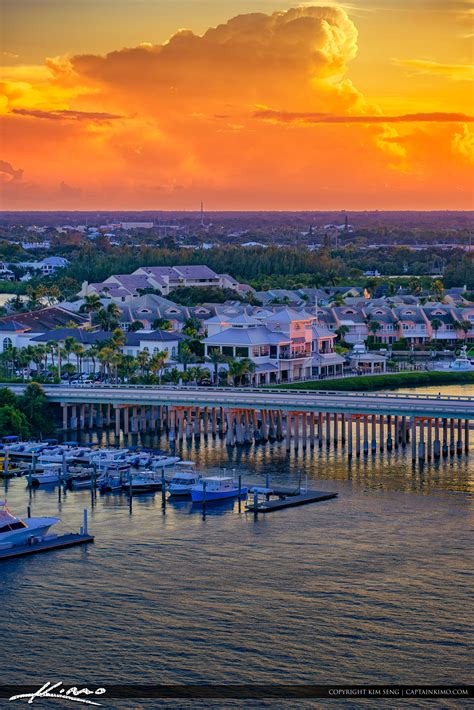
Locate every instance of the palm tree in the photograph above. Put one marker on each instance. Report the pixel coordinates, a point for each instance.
(465, 326)
(436, 324)
(215, 357)
(92, 353)
(342, 331)
(106, 359)
(162, 324)
(114, 362)
(91, 305)
(108, 317)
(239, 368)
(372, 326)
(69, 344)
(118, 339)
(78, 350)
(185, 356)
(143, 361)
(158, 362)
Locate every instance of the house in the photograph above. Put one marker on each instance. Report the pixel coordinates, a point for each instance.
(442, 316)
(18, 329)
(284, 345)
(5, 273)
(353, 320)
(150, 341)
(47, 266)
(126, 287)
(413, 326)
(387, 323)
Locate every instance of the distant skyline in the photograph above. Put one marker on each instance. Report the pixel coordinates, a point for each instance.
(256, 105)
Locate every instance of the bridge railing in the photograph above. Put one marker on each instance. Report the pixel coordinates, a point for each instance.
(268, 391)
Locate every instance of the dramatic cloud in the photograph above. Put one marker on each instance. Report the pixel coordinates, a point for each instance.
(456, 72)
(65, 114)
(8, 170)
(226, 117)
(289, 117)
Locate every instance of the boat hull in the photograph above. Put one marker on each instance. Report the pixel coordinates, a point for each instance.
(197, 496)
(37, 527)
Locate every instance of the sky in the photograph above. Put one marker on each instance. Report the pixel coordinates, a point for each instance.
(245, 105)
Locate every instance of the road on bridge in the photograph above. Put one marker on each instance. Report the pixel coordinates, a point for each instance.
(419, 405)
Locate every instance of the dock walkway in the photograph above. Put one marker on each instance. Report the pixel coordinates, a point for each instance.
(268, 506)
(52, 543)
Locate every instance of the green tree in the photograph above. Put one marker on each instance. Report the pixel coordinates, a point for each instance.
(436, 324)
(37, 410)
(185, 356)
(13, 422)
(216, 358)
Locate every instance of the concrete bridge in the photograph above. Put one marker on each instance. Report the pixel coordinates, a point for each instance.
(304, 417)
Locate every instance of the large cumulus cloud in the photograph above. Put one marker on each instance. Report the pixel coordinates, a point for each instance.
(258, 112)
(254, 58)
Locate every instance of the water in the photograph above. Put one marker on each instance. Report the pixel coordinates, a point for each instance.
(372, 587)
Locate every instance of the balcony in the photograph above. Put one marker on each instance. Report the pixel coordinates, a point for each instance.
(295, 355)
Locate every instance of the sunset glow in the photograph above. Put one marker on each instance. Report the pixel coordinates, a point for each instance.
(269, 107)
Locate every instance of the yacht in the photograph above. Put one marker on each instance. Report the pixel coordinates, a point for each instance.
(15, 531)
(113, 477)
(143, 482)
(164, 461)
(462, 362)
(217, 488)
(25, 449)
(184, 478)
(51, 473)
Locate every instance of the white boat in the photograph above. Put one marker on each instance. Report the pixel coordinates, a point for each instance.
(56, 455)
(51, 473)
(163, 461)
(143, 482)
(16, 531)
(26, 449)
(113, 477)
(184, 478)
(82, 480)
(462, 362)
(103, 460)
(214, 488)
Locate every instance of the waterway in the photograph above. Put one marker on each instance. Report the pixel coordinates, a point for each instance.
(372, 587)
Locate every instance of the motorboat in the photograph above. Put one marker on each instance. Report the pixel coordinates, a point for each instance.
(103, 460)
(113, 477)
(57, 454)
(143, 482)
(16, 531)
(164, 461)
(25, 449)
(184, 478)
(214, 488)
(52, 473)
(462, 362)
(79, 481)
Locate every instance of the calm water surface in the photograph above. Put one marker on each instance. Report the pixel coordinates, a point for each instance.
(372, 587)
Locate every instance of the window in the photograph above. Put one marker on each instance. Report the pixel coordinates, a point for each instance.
(173, 351)
(7, 343)
(241, 351)
(228, 350)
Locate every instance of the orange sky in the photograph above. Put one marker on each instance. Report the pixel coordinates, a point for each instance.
(258, 105)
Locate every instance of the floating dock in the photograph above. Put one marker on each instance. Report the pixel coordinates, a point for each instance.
(55, 542)
(293, 500)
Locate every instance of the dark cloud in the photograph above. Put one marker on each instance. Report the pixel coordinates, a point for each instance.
(307, 117)
(64, 114)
